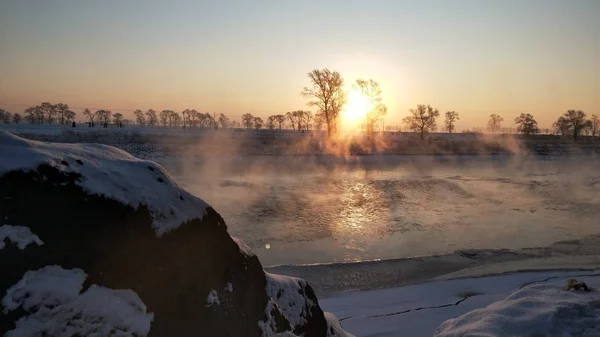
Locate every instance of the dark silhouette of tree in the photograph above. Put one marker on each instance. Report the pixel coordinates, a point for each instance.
(561, 126)
(17, 118)
(69, 116)
(165, 117)
(526, 124)
(307, 117)
(61, 110)
(185, 115)
(574, 123)
(257, 122)
(319, 121)
(326, 92)
(223, 121)
(139, 117)
(31, 115)
(422, 119)
(280, 119)
(91, 116)
(377, 110)
(118, 118)
(595, 125)
(247, 120)
(495, 123)
(104, 116)
(174, 119)
(271, 122)
(47, 109)
(451, 118)
(151, 118)
(194, 117)
(296, 118)
(5, 116)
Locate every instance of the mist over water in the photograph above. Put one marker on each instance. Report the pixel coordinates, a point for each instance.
(330, 209)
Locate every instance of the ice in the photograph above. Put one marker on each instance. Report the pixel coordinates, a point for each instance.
(19, 235)
(108, 172)
(55, 307)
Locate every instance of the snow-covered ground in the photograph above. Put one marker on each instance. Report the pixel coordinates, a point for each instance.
(538, 306)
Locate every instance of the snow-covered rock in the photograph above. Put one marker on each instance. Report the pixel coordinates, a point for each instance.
(19, 235)
(126, 225)
(539, 310)
(51, 297)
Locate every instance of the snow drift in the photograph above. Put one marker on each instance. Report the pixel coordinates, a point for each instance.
(112, 221)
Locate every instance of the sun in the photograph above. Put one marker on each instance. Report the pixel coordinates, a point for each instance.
(356, 108)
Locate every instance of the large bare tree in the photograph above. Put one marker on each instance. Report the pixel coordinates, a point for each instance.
(247, 120)
(151, 117)
(574, 123)
(371, 90)
(326, 92)
(451, 118)
(495, 123)
(422, 119)
(526, 124)
(139, 117)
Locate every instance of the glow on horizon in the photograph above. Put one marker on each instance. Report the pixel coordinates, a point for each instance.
(476, 57)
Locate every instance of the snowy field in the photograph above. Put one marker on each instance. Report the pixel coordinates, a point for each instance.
(525, 304)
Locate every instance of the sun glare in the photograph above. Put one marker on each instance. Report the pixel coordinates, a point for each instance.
(356, 108)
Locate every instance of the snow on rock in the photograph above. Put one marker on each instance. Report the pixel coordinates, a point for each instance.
(243, 246)
(287, 293)
(47, 287)
(109, 172)
(540, 310)
(19, 235)
(229, 287)
(212, 298)
(334, 328)
(56, 308)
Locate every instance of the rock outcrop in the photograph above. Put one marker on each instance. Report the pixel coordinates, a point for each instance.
(133, 233)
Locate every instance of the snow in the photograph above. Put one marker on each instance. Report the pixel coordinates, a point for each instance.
(243, 246)
(19, 235)
(108, 172)
(212, 298)
(285, 291)
(48, 286)
(51, 296)
(334, 328)
(539, 310)
(417, 310)
(229, 287)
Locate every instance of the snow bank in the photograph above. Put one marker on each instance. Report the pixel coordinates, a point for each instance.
(56, 308)
(540, 310)
(19, 235)
(108, 172)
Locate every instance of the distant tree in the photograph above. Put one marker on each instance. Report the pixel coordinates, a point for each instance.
(451, 118)
(151, 118)
(319, 121)
(118, 118)
(104, 116)
(422, 119)
(595, 125)
(280, 120)
(307, 118)
(61, 110)
(247, 120)
(47, 109)
(257, 122)
(271, 122)
(295, 118)
(377, 110)
(495, 123)
(223, 121)
(526, 124)
(185, 115)
(69, 116)
(139, 117)
(165, 117)
(5, 116)
(574, 123)
(175, 119)
(17, 118)
(91, 116)
(326, 92)
(31, 115)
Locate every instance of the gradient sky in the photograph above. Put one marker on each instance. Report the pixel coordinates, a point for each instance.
(476, 57)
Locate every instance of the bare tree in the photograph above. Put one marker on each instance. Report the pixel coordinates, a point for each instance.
(165, 117)
(595, 125)
(118, 118)
(495, 123)
(526, 124)
(422, 119)
(377, 110)
(327, 94)
(5, 116)
(31, 115)
(271, 121)
(61, 109)
(296, 118)
(280, 119)
(151, 117)
(247, 120)
(257, 122)
(451, 118)
(319, 121)
(91, 116)
(104, 116)
(139, 117)
(574, 123)
(174, 119)
(223, 121)
(69, 116)
(47, 109)
(17, 118)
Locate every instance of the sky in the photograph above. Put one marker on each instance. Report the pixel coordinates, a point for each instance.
(476, 57)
